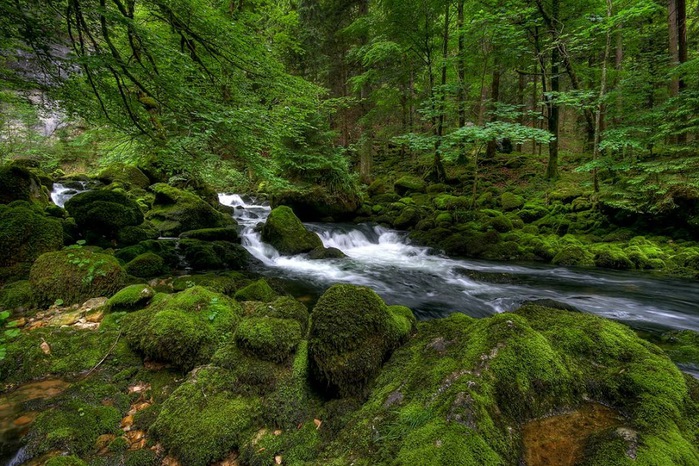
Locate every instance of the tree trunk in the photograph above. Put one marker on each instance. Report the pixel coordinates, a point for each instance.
(491, 149)
(677, 28)
(438, 174)
(461, 70)
(600, 101)
(553, 109)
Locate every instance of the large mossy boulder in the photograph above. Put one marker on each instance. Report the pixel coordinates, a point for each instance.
(286, 233)
(213, 255)
(409, 184)
(104, 212)
(269, 338)
(315, 203)
(74, 275)
(21, 184)
(202, 422)
(184, 328)
(124, 173)
(26, 233)
(16, 295)
(131, 298)
(146, 265)
(352, 333)
(256, 291)
(462, 390)
(176, 211)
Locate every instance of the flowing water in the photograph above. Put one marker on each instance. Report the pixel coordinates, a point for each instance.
(434, 285)
(61, 192)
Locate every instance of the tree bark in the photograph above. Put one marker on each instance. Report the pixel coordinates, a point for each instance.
(491, 149)
(553, 108)
(600, 101)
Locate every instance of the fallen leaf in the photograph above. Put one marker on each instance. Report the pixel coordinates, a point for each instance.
(45, 347)
(278, 459)
(317, 422)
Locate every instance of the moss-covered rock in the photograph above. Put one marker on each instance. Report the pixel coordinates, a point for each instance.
(269, 338)
(74, 275)
(509, 201)
(25, 234)
(408, 218)
(16, 295)
(573, 255)
(201, 422)
(611, 257)
(682, 346)
(352, 332)
(104, 212)
(409, 184)
(131, 298)
(134, 234)
(124, 174)
(459, 392)
(72, 428)
(315, 203)
(146, 265)
(72, 352)
(176, 211)
(167, 249)
(326, 253)
(225, 283)
(70, 460)
(229, 234)
(256, 291)
(285, 307)
(286, 233)
(213, 255)
(18, 183)
(185, 328)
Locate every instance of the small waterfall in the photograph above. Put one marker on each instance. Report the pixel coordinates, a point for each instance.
(61, 193)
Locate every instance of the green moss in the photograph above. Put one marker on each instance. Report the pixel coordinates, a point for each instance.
(185, 328)
(681, 346)
(229, 234)
(409, 217)
(20, 184)
(124, 174)
(225, 283)
(75, 275)
(131, 298)
(74, 427)
(164, 248)
(408, 184)
(71, 460)
(104, 212)
(130, 235)
(269, 338)
(142, 457)
(351, 334)
(403, 322)
(72, 352)
(497, 221)
(509, 201)
(176, 211)
(26, 233)
(450, 202)
(286, 233)
(199, 425)
(611, 257)
(146, 265)
(16, 295)
(285, 307)
(256, 291)
(573, 255)
(210, 255)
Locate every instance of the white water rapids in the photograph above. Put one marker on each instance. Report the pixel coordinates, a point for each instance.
(434, 285)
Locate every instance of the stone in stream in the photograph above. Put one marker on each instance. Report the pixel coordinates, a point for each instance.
(286, 233)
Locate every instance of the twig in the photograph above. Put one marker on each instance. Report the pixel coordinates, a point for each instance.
(105, 356)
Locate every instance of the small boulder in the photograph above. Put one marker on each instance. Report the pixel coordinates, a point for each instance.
(25, 234)
(74, 275)
(176, 211)
(146, 265)
(409, 184)
(268, 338)
(131, 298)
(21, 184)
(352, 333)
(124, 174)
(256, 291)
(104, 212)
(286, 233)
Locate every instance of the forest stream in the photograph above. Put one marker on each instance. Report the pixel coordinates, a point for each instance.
(434, 285)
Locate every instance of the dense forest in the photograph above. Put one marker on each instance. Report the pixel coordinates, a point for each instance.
(334, 232)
